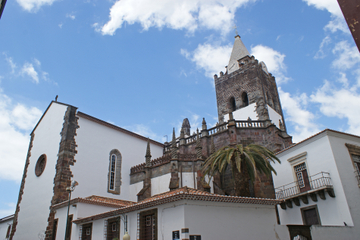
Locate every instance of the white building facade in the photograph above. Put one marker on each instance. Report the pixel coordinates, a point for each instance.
(318, 181)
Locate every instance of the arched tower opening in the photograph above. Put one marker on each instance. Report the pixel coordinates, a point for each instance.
(244, 98)
(232, 104)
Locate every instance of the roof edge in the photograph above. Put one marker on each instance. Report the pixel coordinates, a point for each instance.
(112, 126)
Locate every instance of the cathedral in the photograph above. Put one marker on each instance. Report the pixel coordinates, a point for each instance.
(85, 178)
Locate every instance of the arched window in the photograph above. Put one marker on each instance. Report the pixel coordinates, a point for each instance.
(114, 176)
(232, 104)
(244, 98)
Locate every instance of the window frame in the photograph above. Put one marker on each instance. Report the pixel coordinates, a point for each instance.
(354, 150)
(302, 210)
(114, 174)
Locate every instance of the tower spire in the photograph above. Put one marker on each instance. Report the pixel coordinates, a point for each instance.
(239, 51)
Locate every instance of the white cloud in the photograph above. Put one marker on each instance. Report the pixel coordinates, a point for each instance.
(34, 5)
(274, 61)
(302, 120)
(211, 58)
(320, 54)
(71, 16)
(32, 70)
(145, 131)
(348, 56)
(11, 63)
(337, 21)
(185, 14)
(28, 69)
(16, 122)
(331, 6)
(340, 103)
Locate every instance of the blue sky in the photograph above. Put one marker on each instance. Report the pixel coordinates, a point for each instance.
(145, 65)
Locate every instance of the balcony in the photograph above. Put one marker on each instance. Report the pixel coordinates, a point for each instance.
(292, 193)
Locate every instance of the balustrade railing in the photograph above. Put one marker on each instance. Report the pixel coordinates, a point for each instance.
(317, 181)
(218, 128)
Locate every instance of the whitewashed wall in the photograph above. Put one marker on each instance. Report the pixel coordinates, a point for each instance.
(160, 184)
(244, 113)
(274, 116)
(319, 157)
(79, 210)
(232, 221)
(38, 191)
(95, 141)
(4, 227)
(210, 220)
(347, 173)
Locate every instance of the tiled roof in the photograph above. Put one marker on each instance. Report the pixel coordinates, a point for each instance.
(184, 193)
(96, 200)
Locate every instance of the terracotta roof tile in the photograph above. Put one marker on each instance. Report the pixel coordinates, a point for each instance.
(96, 200)
(184, 193)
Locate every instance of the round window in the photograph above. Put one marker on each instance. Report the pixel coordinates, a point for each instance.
(40, 165)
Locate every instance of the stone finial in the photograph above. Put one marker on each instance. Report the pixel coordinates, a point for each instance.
(186, 126)
(198, 147)
(212, 146)
(281, 125)
(204, 126)
(148, 154)
(182, 134)
(174, 154)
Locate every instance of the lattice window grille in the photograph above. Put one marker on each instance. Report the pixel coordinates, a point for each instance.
(105, 229)
(80, 232)
(138, 226)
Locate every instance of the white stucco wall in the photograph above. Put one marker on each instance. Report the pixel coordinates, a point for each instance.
(319, 157)
(347, 172)
(4, 227)
(79, 210)
(38, 191)
(95, 141)
(160, 184)
(244, 113)
(274, 116)
(232, 221)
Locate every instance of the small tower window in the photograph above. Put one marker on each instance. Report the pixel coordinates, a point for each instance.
(232, 104)
(244, 98)
(114, 177)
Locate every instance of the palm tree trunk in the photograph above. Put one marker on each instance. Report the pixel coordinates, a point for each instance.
(241, 180)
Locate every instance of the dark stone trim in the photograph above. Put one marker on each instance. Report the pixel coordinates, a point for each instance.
(66, 158)
(22, 186)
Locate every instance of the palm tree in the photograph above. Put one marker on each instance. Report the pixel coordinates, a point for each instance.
(245, 163)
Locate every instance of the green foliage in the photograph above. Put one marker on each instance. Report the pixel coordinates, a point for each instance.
(246, 161)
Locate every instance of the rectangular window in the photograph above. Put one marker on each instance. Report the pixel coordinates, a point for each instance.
(195, 237)
(148, 225)
(113, 228)
(354, 151)
(86, 231)
(302, 177)
(356, 160)
(54, 229)
(310, 215)
(68, 228)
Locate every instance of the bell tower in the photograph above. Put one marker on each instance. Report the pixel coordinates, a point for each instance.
(247, 89)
